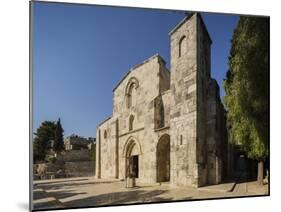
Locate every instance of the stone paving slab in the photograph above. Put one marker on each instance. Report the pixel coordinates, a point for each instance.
(225, 187)
(77, 192)
(42, 200)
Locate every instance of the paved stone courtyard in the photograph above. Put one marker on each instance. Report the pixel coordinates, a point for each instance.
(88, 191)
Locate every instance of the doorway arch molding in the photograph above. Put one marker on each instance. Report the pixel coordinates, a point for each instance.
(131, 141)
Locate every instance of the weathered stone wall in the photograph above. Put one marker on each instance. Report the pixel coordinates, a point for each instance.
(143, 111)
(211, 131)
(203, 78)
(183, 115)
(164, 77)
(107, 153)
(73, 163)
(211, 126)
(76, 155)
(146, 91)
(79, 169)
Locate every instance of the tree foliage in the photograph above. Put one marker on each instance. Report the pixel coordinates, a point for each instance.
(247, 87)
(42, 140)
(58, 142)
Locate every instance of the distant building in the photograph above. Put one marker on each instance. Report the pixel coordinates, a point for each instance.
(75, 142)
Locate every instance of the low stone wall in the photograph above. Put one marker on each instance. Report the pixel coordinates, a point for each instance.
(72, 163)
(79, 168)
(76, 155)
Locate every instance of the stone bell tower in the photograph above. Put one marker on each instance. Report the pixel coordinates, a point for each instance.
(190, 71)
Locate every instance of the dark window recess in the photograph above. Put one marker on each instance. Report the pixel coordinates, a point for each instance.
(131, 122)
(181, 140)
(162, 116)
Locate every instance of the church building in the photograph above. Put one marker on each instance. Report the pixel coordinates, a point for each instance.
(167, 125)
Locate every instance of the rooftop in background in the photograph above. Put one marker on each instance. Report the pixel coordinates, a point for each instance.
(78, 142)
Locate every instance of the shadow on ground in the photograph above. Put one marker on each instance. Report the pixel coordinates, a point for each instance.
(64, 194)
(61, 191)
(126, 197)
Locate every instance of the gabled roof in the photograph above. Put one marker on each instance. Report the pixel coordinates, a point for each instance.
(138, 65)
(101, 123)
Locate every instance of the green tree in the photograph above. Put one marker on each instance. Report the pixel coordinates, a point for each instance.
(247, 89)
(58, 142)
(42, 140)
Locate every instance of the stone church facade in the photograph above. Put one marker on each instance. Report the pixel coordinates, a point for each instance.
(167, 125)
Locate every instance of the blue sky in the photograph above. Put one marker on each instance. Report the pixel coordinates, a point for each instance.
(80, 52)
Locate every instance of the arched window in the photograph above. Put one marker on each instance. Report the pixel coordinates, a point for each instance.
(131, 95)
(182, 46)
(162, 116)
(130, 92)
(131, 122)
(105, 135)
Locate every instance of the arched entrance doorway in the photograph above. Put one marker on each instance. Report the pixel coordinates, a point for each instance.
(163, 159)
(132, 158)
